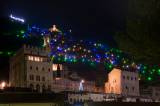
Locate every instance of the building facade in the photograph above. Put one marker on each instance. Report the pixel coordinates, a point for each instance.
(31, 68)
(121, 82)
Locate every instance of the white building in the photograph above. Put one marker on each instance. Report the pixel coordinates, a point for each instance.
(121, 82)
(31, 67)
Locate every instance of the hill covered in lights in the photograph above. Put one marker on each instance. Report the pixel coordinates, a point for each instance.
(65, 48)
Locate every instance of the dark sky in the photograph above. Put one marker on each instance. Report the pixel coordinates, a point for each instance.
(87, 18)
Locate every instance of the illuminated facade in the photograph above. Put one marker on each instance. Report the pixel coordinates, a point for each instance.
(32, 68)
(122, 82)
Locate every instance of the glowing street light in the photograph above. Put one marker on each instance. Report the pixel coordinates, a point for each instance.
(3, 85)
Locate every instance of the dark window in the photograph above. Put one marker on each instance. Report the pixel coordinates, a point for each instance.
(37, 78)
(31, 77)
(43, 69)
(126, 87)
(128, 77)
(43, 88)
(49, 69)
(133, 88)
(43, 78)
(30, 67)
(70, 99)
(124, 77)
(49, 87)
(131, 78)
(135, 78)
(36, 68)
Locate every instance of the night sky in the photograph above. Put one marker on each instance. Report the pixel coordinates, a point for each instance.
(88, 19)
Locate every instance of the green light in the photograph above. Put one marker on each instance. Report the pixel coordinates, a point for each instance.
(145, 67)
(92, 64)
(52, 58)
(159, 71)
(124, 61)
(118, 56)
(149, 78)
(59, 59)
(65, 59)
(110, 66)
(143, 72)
(9, 53)
(1, 52)
(153, 70)
(17, 35)
(75, 60)
(22, 31)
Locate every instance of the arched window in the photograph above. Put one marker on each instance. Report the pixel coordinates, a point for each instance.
(37, 68)
(42, 68)
(30, 67)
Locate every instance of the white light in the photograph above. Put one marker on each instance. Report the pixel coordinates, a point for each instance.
(81, 85)
(16, 18)
(82, 81)
(3, 84)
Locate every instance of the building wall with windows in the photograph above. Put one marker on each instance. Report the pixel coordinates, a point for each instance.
(152, 92)
(31, 67)
(122, 82)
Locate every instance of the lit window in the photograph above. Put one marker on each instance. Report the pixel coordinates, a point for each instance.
(37, 59)
(30, 58)
(54, 67)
